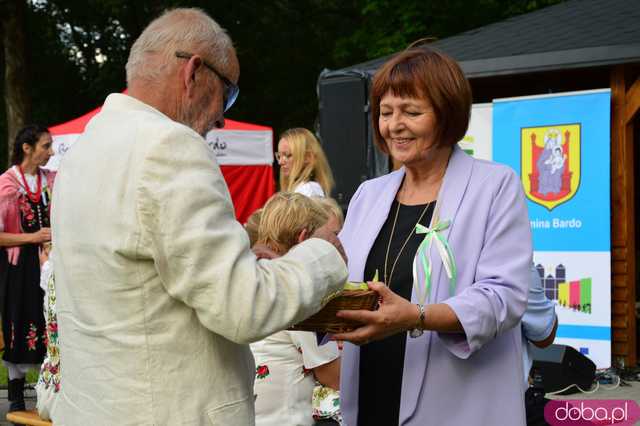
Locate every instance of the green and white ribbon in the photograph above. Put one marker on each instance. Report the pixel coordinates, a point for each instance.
(432, 236)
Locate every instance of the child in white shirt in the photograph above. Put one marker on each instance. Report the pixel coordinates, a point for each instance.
(289, 363)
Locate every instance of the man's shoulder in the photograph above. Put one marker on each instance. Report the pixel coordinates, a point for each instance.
(144, 123)
(138, 118)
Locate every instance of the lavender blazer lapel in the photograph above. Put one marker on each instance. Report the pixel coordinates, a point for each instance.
(365, 225)
(456, 180)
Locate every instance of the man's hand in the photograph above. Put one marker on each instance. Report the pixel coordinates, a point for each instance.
(262, 251)
(395, 314)
(326, 233)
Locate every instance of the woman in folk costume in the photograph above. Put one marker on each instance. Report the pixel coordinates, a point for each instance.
(25, 201)
(303, 165)
(449, 235)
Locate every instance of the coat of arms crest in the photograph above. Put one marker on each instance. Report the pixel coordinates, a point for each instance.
(550, 159)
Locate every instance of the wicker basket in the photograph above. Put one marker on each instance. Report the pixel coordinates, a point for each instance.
(326, 321)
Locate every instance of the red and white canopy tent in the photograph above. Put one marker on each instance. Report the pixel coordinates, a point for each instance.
(244, 152)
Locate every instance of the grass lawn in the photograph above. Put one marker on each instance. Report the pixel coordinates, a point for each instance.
(32, 376)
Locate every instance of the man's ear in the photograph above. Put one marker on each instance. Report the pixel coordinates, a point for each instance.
(304, 234)
(189, 75)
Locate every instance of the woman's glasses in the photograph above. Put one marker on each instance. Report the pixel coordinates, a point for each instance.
(283, 155)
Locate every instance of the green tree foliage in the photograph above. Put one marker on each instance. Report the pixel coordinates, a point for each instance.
(386, 26)
(77, 49)
(282, 49)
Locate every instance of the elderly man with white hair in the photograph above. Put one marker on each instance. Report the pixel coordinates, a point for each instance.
(158, 291)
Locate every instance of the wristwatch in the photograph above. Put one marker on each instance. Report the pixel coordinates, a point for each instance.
(418, 330)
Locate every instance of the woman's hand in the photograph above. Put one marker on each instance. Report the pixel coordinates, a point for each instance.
(41, 236)
(395, 314)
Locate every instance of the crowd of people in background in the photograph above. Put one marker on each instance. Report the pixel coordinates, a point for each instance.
(171, 312)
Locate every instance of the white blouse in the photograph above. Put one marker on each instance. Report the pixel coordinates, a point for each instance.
(310, 189)
(284, 380)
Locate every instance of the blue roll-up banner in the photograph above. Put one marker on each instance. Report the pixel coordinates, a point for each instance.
(560, 146)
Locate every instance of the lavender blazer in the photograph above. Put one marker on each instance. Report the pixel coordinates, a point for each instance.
(455, 378)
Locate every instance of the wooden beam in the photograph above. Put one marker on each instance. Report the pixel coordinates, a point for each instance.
(620, 321)
(619, 252)
(629, 164)
(624, 108)
(622, 349)
(632, 101)
(618, 199)
(620, 308)
(620, 294)
(620, 280)
(619, 336)
(619, 266)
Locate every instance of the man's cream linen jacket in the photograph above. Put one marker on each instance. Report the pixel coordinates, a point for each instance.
(158, 292)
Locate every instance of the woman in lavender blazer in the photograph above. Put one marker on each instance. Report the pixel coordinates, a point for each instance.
(461, 362)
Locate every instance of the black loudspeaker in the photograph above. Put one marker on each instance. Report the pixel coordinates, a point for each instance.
(559, 366)
(344, 131)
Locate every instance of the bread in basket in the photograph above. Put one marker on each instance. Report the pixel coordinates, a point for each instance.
(354, 296)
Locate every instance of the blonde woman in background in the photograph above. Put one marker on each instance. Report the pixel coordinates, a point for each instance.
(303, 165)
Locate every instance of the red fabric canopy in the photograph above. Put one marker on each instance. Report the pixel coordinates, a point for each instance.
(250, 186)
(76, 125)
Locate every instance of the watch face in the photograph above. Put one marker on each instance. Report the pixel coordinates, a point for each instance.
(416, 332)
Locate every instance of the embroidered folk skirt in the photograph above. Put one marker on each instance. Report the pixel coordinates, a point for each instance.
(23, 324)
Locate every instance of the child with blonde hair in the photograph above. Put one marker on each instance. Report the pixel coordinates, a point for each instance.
(289, 363)
(336, 216)
(253, 222)
(289, 218)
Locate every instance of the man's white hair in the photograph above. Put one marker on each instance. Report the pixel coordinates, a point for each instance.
(185, 29)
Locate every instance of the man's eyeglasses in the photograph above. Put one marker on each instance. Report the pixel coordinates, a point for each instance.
(231, 90)
(283, 155)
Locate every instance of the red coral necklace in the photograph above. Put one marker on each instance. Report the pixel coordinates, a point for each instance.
(35, 198)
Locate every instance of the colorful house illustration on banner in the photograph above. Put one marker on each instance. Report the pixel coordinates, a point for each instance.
(574, 295)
